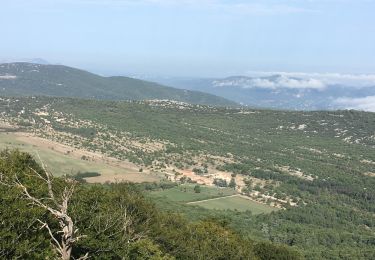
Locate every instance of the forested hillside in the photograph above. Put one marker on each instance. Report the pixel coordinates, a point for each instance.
(27, 79)
(315, 168)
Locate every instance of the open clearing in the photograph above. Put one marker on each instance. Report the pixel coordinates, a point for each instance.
(235, 202)
(213, 198)
(186, 193)
(59, 162)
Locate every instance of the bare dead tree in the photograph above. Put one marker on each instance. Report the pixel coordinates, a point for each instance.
(119, 223)
(64, 239)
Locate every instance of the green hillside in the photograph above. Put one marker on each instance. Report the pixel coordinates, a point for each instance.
(318, 167)
(27, 79)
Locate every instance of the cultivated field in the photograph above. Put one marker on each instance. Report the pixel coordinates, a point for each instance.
(60, 162)
(213, 198)
(235, 202)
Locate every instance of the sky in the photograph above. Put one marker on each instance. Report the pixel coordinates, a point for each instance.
(197, 38)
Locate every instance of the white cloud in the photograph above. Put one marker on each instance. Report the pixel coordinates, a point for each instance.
(300, 83)
(366, 103)
(7, 77)
(271, 83)
(349, 80)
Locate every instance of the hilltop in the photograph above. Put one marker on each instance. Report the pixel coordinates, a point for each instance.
(29, 79)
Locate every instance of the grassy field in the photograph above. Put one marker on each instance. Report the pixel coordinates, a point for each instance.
(235, 203)
(60, 164)
(185, 193)
(212, 198)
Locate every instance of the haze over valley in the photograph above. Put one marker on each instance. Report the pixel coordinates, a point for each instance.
(292, 91)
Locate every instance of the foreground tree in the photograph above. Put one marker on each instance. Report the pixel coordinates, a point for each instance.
(57, 206)
(38, 210)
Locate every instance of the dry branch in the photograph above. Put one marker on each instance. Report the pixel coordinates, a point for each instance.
(64, 239)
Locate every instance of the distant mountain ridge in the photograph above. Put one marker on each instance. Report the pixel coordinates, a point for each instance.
(282, 92)
(30, 79)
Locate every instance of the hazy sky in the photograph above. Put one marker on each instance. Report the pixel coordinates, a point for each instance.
(192, 37)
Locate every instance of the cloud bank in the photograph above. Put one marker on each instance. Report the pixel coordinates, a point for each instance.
(272, 82)
(365, 104)
(323, 79)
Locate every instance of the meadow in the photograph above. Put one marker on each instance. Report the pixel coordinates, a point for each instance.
(237, 203)
(211, 198)
(61, 164)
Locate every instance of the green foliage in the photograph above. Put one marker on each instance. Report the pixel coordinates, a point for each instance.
(147, 249)
(203, 240)
(220, 182)
(232, 183)
(268, 251)
(197, 189)
(198, 171)
(101, 212)
(20, 236)
(117, 221)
